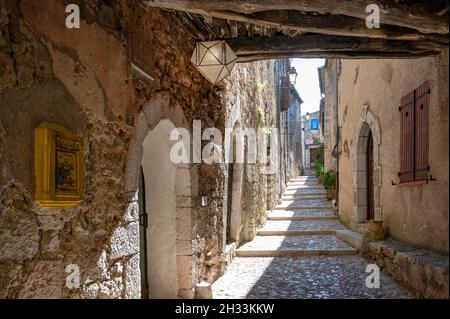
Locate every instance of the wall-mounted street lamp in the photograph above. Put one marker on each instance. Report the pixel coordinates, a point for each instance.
(292, 73)
(307, 118)
(214, 59)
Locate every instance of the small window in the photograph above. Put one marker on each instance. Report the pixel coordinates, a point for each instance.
(414, 140)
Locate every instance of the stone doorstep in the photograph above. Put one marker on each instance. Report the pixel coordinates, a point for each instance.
(274, 217)
(295, 252)
(359, 227)
(294, 232)
(303, 184)
(350, 237)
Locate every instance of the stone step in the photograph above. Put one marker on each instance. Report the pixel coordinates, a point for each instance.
(350, 237)
(306, 214)
(305, 178)
(300, 227)
(301, 187)
(278, 246)
(303, 197)
(306, 191)
(303, 207)
(305, 203)
(295, 232)
(293, 217)
(304, 184)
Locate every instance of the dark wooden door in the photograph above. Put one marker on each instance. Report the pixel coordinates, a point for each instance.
(143, 224)
(369, 178)
(229, 198)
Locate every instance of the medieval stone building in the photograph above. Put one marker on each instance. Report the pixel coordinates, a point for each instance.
(386, 133)
(82, 80)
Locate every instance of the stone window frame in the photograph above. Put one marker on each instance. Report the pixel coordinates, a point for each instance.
(367, 122)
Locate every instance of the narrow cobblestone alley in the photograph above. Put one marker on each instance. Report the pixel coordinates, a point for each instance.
(297, 255)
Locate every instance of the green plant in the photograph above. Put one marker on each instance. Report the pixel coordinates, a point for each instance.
(318, 165)
(329, 181)
(261, 116)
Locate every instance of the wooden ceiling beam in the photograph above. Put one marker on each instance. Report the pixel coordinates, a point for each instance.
(337, 55)
(324, 43)
(391, 13)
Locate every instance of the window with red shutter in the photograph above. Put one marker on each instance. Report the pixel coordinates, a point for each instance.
(414, 127)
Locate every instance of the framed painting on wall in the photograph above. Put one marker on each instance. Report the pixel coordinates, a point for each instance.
(58, 158)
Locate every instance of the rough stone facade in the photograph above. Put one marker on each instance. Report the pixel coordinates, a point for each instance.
(312, 139)
(82, 80)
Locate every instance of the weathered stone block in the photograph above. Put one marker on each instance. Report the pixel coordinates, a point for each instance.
(45, 281)
(125, 240)
(132, 278)
(19, 238)
(203, 291)
(184, 271)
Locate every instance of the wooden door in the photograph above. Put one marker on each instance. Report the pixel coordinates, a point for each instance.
(369, 178)
(143, 225)
(229, 199)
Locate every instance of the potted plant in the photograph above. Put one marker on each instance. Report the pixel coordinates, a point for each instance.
(329, 182)
(318, 167)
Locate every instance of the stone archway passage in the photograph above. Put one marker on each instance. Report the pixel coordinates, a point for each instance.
(168, 199)
(159, 181)
(368, 128)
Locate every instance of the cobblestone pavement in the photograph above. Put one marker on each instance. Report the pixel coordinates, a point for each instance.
(317, 277)
(319, 268)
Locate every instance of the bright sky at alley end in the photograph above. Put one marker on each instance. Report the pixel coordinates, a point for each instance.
(308, 83)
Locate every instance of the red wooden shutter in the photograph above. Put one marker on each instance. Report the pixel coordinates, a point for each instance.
(407, 138)
(285, 89)
(422, 96)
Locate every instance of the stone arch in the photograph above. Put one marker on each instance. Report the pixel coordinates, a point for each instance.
(151, 134)
(367, 123)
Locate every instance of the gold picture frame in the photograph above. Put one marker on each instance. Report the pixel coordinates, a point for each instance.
(59, 165)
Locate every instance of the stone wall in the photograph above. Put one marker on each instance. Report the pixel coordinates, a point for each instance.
(330, 78)
(369, 96)
(81, 79)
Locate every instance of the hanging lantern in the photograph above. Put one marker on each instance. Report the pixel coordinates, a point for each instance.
(214, 59)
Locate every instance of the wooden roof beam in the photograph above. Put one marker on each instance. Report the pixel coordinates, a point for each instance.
(392, 13)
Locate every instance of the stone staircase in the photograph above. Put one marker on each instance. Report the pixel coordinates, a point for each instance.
(304, 224)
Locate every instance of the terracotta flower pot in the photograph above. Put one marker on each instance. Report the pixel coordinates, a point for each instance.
(375, 230)
(331, 193)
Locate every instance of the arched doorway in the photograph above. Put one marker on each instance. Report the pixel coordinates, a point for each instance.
(168, 198)
(159, 182)
(369, 177)
(366, 169)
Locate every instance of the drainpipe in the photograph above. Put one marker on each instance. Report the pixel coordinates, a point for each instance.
(336, 124)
